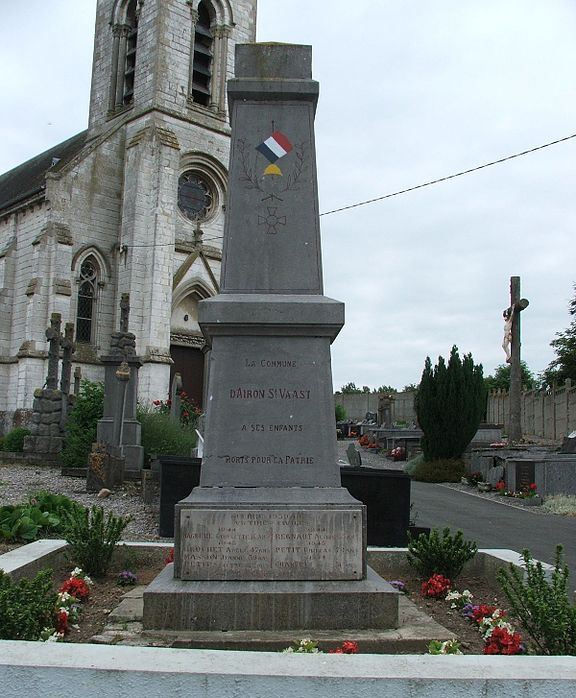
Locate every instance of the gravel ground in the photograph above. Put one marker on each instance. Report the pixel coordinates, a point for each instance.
(18, 482)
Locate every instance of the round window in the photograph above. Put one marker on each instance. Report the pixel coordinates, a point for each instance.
(195, 196)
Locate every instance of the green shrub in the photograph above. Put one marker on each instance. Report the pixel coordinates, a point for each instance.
(450, 403)
(42, 513)
(435, 554)
(14, 439)
(26, 606)
(340, 413)
(2, 443)
(443, 470)
(92, 538)
(16, 526)
(161, 435)
(542, 606)
(81, 425)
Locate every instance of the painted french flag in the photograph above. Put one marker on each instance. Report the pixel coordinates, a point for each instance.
(275, 147)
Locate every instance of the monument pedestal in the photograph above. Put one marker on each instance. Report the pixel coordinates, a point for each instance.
(172, 604)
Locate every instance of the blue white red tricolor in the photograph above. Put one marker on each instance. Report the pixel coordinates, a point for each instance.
(275, 147)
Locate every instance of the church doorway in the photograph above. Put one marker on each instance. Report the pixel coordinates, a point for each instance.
(189, 363)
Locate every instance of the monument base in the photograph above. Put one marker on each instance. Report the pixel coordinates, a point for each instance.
(175, 605)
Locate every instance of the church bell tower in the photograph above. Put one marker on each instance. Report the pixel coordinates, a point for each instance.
(158, 112)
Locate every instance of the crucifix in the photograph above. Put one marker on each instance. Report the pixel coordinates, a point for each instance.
(124, 312)
(511, 346)
(54, 338)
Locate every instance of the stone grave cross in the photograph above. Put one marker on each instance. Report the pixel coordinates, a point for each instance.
(54, 338)
(68, 348)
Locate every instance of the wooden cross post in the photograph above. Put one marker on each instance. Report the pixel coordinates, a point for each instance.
(517, 305)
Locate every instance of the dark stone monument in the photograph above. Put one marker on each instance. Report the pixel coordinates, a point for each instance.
(270, 539)
(119, 427)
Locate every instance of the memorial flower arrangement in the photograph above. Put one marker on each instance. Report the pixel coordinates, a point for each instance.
(71, 594)
(526, 492)
(436, 587)
(498, 634)
(474, 478)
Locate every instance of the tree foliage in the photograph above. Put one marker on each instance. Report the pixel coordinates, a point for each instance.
(350, 389)
(450, 403)
(385, 390)
(564, 365)
(81, 424)
(501, 378)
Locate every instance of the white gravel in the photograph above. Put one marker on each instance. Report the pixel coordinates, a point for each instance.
(18, 482)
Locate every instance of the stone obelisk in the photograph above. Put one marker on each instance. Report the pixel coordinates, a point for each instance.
(270, 529)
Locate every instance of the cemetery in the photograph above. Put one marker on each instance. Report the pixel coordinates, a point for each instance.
(274, 546)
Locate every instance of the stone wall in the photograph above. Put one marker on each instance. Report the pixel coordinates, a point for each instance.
(549, 414)
(357, 405)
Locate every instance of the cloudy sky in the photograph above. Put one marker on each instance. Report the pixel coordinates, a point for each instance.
(410, 91)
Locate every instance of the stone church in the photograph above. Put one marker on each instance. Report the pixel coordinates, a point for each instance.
(135, 204)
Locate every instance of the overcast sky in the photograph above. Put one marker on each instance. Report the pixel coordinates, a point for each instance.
(410, 91)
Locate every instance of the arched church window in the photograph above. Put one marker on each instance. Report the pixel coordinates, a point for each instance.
(85, 314)
(130, 62)
(202, 63)
(196, 195)
(125, 31)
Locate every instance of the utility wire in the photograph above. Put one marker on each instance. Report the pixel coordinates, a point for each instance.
(452, 176)
(409, 189)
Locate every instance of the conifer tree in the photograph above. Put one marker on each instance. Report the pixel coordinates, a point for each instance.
(450, 403)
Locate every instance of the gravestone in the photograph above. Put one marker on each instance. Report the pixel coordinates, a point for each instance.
(119, 427)
(354, 457)
(270, 539)
(175, 398)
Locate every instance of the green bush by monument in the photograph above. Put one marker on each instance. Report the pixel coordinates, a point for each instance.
(14, 439)
(81, 425)
(162, 435)
(450, 403)
(26, 606)
(444, 554)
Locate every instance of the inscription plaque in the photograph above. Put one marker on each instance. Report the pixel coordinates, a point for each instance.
(524, 474)
(260, 544)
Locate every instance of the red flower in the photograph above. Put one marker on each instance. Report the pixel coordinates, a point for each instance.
(483, 610)
(156, 402)
(436, 587)
(533, 486)
(185, 414)
(500, 485)
(77, 587)
(170, 557)
(62, 622)
(502, 641)
(349, 647)
(338, 650)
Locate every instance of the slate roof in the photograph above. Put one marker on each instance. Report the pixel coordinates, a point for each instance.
(28, 179)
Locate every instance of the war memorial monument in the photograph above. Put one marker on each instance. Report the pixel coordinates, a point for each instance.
(270, 540)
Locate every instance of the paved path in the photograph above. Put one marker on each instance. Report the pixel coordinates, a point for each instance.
(490, 523)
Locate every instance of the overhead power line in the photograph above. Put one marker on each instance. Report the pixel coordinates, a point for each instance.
(452, 176)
